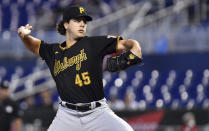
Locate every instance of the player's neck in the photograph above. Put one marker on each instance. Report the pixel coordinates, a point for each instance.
(70, 41)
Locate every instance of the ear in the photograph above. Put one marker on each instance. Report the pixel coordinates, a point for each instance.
(66, 25)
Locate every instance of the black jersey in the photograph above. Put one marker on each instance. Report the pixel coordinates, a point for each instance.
(8, 112)
(77, 70)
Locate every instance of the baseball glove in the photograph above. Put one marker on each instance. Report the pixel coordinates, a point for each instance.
(122, 61)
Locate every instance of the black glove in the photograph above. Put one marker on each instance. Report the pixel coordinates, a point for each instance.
(122, 61)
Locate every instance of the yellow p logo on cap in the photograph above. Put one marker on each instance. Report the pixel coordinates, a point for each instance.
(81, 10)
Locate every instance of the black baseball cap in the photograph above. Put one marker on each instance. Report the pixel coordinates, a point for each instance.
(4, 85)
(75, 12)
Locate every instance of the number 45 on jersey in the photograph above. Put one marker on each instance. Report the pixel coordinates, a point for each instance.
(82, 79)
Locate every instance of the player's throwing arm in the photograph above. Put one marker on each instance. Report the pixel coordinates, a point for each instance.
(30, 42)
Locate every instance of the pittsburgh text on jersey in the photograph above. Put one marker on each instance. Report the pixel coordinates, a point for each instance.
(69, 62)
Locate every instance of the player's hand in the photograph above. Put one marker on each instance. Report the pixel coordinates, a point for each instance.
(24, 31)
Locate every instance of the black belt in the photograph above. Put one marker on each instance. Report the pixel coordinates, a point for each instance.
(82, 108)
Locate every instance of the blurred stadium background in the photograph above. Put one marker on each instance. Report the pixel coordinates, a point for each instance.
(174, 36)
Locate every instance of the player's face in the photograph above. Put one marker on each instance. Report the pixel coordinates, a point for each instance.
(77, 27)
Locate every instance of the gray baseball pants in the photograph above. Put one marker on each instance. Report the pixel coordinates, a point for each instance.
(99, 119)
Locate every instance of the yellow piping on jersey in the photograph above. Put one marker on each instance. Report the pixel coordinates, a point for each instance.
(39, 46)
(118, 38)
(64, 48)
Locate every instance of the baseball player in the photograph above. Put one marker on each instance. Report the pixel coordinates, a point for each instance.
(76, 67)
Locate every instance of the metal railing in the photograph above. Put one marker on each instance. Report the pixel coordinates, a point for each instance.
(28, 83)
